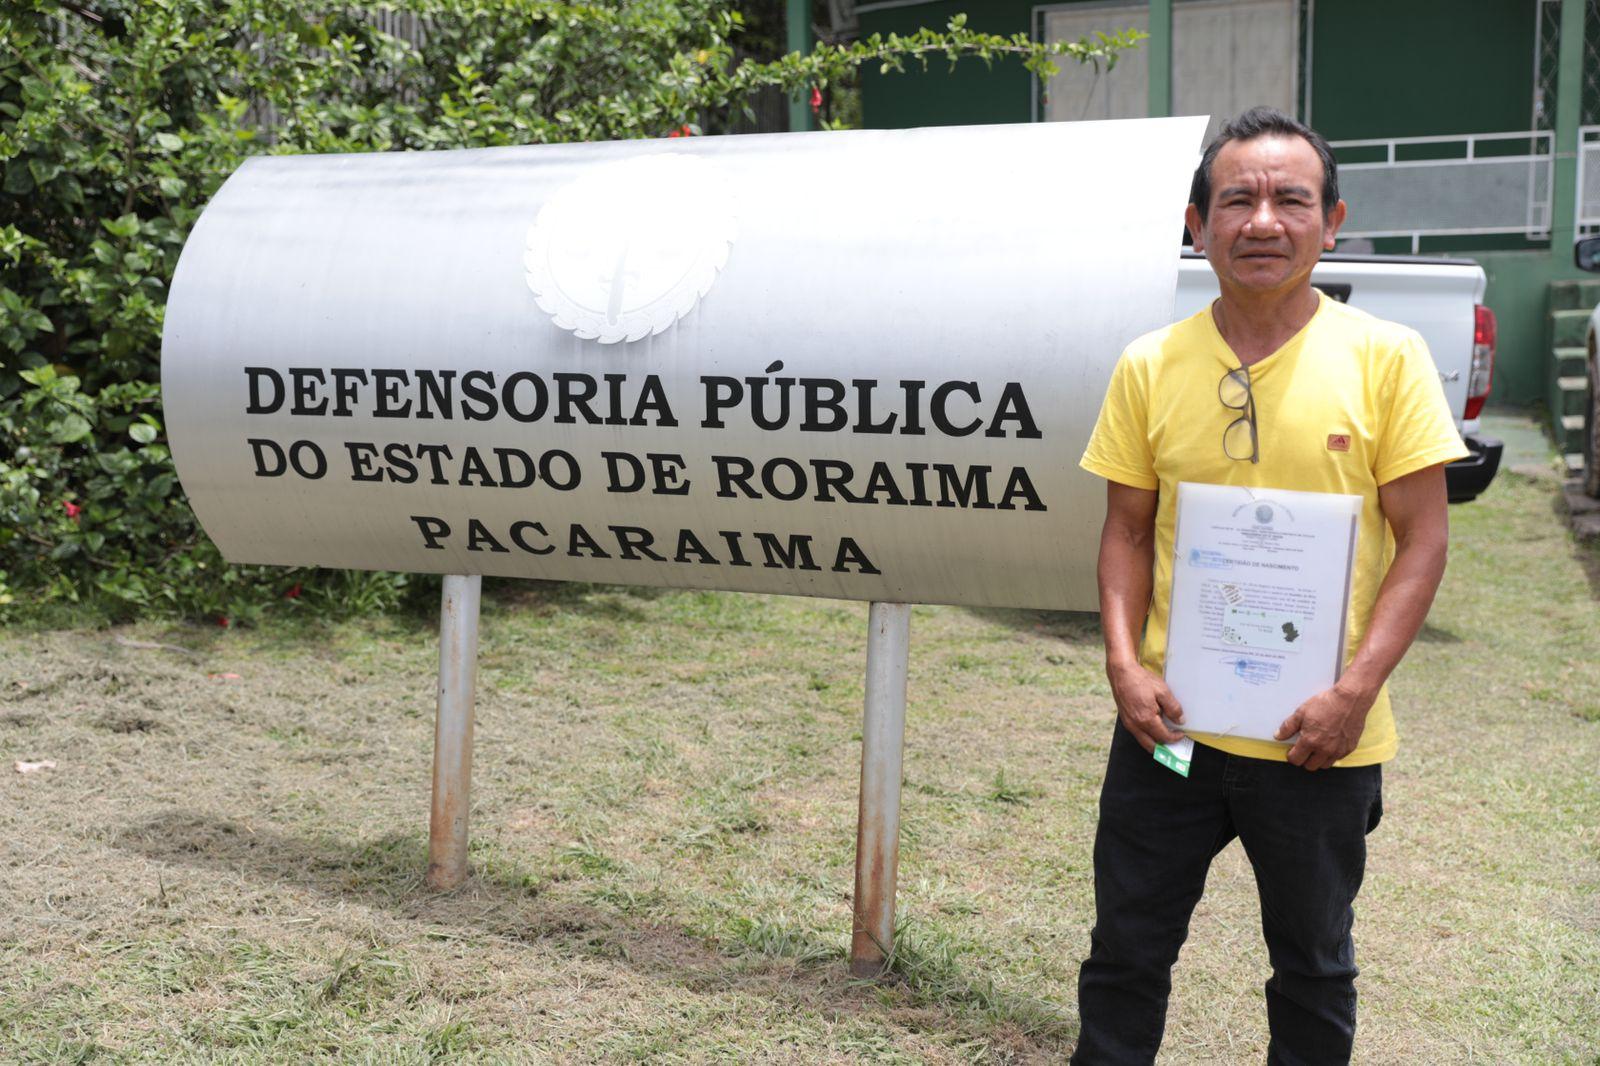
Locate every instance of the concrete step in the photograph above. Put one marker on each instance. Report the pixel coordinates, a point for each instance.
(1577, 502)
(1583, 511)
(1574, 392)
(1571, 362)
(1574, 295)
(1569, 435)
(1573, 463)
(1568, 328)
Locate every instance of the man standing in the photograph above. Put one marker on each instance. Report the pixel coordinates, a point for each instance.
(1274, 385)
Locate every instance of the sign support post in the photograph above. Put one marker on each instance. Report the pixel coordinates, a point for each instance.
(452, 734)
(883, 736)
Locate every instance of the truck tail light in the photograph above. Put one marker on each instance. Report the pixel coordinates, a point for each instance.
(1484, 331)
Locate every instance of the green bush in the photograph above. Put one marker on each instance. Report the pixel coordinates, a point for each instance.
(119, 119)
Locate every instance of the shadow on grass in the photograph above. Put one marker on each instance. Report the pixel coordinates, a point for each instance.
(417, 613)
(1586, 552)
(1070, 627)
(1432, 634)
(750, 954)
(611, 602)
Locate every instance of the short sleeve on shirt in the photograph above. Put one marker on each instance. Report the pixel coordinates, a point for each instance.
(1418, 429)
(1119, 448)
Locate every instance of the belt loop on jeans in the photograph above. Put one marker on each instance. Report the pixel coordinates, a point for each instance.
(1232, 768)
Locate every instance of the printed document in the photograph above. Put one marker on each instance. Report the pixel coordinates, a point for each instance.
(1260, 596)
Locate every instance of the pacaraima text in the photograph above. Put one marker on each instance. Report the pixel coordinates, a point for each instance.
(773, 551)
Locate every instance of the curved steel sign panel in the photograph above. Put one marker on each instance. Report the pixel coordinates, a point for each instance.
(859, 365)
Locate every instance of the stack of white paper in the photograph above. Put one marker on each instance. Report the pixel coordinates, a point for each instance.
(1260, 594)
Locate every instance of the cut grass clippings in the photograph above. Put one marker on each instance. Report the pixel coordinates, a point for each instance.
(229, 868)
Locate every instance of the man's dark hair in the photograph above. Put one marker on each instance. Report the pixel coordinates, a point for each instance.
(1264, 122)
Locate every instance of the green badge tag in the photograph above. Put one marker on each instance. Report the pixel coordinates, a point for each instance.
(1175, 757)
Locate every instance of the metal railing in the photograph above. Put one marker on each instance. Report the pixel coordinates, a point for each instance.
(1588, 206)
(1481, 183)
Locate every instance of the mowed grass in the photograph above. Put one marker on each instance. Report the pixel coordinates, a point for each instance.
(227, 869)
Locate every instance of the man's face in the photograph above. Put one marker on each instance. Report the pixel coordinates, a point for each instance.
(1265, 229)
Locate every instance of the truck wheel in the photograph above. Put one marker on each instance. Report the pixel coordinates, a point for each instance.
(1591, 433)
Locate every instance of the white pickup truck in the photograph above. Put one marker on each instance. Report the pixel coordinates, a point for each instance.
(1440, 299)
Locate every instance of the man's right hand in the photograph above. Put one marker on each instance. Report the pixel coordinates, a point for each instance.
(1127, 559)
(1145, 704)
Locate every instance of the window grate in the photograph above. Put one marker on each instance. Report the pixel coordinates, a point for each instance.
(1591, 64)
(1547, 63)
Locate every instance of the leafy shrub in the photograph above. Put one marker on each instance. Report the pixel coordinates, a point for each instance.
(120, 118)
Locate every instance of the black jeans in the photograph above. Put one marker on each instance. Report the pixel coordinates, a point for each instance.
(1305, 835)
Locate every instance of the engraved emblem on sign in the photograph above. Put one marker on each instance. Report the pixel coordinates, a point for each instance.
(630, 247)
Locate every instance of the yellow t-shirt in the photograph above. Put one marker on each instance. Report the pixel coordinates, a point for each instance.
(1349, 403)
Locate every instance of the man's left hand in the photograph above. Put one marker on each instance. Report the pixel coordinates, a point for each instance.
(1329, 725)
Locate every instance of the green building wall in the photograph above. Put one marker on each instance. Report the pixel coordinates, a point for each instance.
(1379, 68)
(972, 94)
(1421, 68)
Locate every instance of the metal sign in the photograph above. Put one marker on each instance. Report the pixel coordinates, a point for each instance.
(856, 365)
